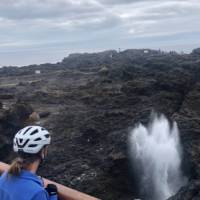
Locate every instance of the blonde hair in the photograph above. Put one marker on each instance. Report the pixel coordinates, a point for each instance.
(16, 166)
(22, 162)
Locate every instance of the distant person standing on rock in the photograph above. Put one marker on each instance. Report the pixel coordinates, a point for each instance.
(20, 182)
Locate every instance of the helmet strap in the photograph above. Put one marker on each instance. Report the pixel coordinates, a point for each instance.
(42, 158)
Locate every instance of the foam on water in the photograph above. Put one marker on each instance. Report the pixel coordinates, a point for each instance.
(156, 154)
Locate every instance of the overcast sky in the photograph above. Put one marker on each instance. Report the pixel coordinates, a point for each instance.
(39, 31)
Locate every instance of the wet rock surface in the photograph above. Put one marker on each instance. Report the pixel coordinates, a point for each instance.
(90, 102)
(191, 191)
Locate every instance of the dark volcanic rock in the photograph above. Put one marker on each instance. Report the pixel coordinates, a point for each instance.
(196, 51)
(189, 192)
(11, 121)
(91, 101)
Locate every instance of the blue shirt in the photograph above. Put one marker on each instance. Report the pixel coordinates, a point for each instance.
(26, 186)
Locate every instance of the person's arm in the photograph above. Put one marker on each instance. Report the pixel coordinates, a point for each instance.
(52, 191)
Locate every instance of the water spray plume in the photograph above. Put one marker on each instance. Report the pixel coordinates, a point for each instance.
(155, 152)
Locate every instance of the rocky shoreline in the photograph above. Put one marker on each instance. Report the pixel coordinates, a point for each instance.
(90, 102)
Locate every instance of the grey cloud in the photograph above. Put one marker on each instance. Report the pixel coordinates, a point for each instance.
(35, 9)
(87, 25)
(115, 2)
(123, 2)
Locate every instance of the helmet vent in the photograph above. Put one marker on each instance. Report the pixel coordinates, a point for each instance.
(47, 135)
(32, 145)
(26, 130)
(34, 132)
(38, 139)
(20, 140)
(22, 145)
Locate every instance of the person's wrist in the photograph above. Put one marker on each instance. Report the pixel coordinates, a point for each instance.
(52, 189)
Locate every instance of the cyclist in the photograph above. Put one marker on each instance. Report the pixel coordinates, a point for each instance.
(20, 181)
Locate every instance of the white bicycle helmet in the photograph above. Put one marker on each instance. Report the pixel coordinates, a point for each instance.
(31, 139)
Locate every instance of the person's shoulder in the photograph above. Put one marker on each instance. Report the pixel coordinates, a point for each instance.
(31, 180)
(35, 191)
(33, 186)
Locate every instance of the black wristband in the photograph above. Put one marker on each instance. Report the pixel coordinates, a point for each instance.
(52, 189)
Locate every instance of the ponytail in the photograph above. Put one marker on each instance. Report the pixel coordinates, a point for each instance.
(22, 162)
(16, 167)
